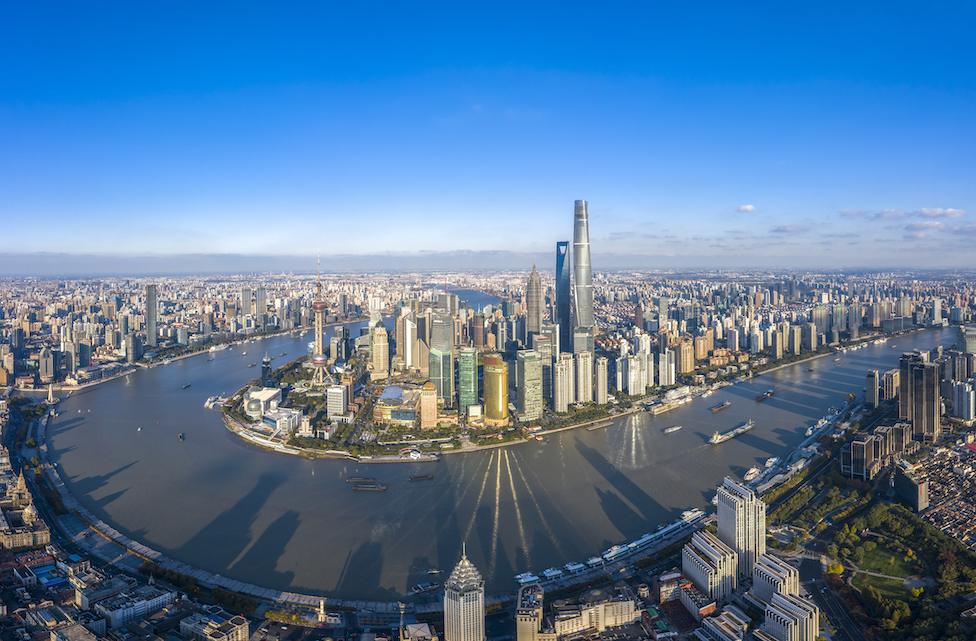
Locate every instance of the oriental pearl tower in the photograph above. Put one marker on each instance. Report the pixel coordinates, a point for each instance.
(319, 359)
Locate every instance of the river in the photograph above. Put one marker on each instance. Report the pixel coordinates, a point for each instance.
(288, 523)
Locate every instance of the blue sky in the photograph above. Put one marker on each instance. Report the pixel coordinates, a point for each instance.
(797, 135)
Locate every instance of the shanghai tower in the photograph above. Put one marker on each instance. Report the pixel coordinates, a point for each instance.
(582, 271)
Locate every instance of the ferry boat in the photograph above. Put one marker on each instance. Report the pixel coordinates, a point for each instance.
(751, 474)
(721, 406)
(673, 428)
(742, 428)
(765, 396)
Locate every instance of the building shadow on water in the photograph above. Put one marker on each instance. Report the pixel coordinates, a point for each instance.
(620, 515)
(362, 571)
(261, 560)
(90, 484)
(224, 538)
(650, 510)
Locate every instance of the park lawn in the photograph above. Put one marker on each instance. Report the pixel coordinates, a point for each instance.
(886, 561)
(891, 588)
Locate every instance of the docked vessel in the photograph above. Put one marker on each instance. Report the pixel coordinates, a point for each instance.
(421, 588)
(771, 461)
(706, 394)
(368, 487)
(721, 406)
(751, 474)
(721, 437)
(765, 396)
(673, 428)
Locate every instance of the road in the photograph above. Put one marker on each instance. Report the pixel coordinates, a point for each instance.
(827, 601)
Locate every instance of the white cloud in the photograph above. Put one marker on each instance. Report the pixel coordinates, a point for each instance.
(746, 209)
(940, 212)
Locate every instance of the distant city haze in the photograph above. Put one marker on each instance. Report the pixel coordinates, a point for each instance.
(805, 136)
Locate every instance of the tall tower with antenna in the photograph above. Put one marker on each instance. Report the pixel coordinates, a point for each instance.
(319, 359)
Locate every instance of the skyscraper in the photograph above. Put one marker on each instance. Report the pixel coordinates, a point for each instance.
(496, 390)
(584, 377)
(464, 603)
(926, 402)
(582, 271)
(379, 353)
(467, 378)
(872, 389)
(260, 305)
(529, 374)
(152, 315)
(440, 369)
(601, 380)
(563, 298)
(563, 384)
(742, 523)
(533, 307)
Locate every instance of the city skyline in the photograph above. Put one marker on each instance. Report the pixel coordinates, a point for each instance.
(694, 147)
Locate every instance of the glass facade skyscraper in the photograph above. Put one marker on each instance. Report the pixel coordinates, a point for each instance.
(563, 297)
(467, 378)
(582, 270)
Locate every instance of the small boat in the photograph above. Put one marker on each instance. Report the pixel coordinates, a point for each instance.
(837, 360)
(421, 588)
(421, 477)
(672, 429)
(433, 571)
(181, 436)
(283, 354)
(771, 461)
(252, 365)
(721, 406)
(187, 386)
(138, 429)
(765, 396)
(810, 369)
(243, 353)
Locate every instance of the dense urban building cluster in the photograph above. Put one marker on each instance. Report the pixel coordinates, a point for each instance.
(419, 363)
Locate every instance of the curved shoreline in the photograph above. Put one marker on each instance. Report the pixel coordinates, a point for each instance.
(140, 551)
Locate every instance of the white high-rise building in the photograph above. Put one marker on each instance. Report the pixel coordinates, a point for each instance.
(409, 338)
(792, 618)
(665, 368)
(464, 603)
(337, 400)
(563, 385)
(710, 565)
(600, 391)
(770, 575)
(742, 523)
(584, 377)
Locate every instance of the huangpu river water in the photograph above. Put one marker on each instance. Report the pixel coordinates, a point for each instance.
(288, 523)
